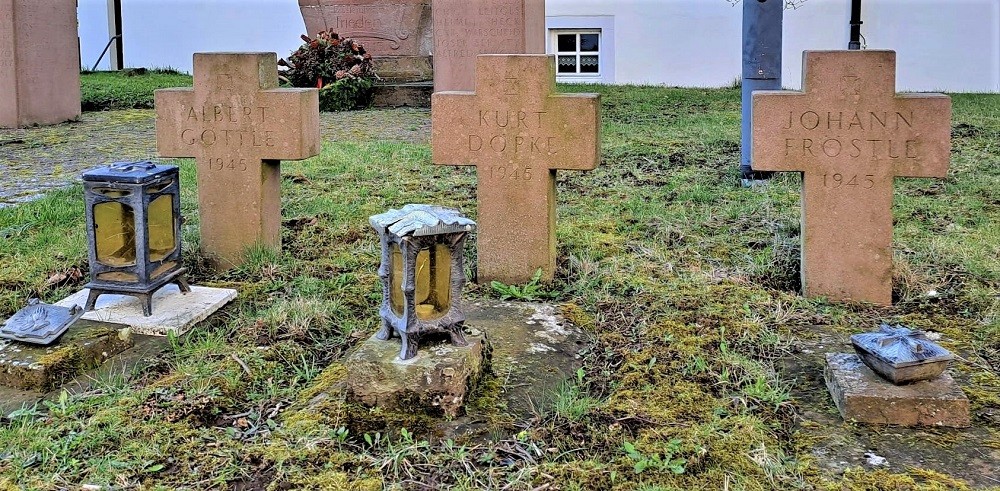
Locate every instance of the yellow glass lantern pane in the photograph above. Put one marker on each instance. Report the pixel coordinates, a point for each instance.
(433, 278)
(396, 300)
(162, 241)
(432, 292)
(114, 233)
(119, 276)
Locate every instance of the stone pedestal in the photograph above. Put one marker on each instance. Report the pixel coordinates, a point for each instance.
(438, 380)
(86, 345)
(411, 94)
(863, 396)
(39, 62)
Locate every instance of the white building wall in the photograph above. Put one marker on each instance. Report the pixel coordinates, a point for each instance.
(167, 33)
(951, 45)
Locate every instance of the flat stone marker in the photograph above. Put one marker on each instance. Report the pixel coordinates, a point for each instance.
(517, 131)
(863, 396)
(463, 30)
(238, 125)
(39, 62)
(850, 134)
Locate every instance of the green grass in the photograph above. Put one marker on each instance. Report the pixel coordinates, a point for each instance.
(687, 282)
(104, 91)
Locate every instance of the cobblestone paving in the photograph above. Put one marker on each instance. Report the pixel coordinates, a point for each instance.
(33, 160)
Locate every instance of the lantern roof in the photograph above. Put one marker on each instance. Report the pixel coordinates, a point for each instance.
(129, 172)
(419, 220)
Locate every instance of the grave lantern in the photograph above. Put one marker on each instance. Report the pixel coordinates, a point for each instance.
(422, 273)
(133, 230)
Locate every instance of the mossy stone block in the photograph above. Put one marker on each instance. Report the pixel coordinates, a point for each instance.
(437, 381)
(86, 345)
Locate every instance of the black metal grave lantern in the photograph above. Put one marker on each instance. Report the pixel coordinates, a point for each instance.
(422, 273)
(133, 230)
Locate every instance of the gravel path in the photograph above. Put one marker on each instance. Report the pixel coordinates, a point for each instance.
(33, 160)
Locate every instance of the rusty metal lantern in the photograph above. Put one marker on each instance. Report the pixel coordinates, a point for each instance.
(133, 230)
(422, 273)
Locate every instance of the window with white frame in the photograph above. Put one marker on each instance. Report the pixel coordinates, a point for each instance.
(578, 52)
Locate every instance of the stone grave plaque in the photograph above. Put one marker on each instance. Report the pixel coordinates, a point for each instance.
(464, 30)
(39, 62)
(517, 131)
(850, 135)
(237, 124)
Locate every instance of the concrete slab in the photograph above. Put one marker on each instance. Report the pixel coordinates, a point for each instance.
(85, 346)
(172, 311)
(863, 396)
(534, 347)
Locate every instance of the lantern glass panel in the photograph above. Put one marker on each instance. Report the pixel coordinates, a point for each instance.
(433, 277)
(114, 229)
(396, 299)
(432, 292)
(162, 242)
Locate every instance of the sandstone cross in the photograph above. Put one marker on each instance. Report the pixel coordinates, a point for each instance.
(517, 131)
(850, 134)
(237, 124)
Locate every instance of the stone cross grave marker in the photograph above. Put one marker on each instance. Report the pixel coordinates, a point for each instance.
(238, 125)
(517, 131)
(850, 134)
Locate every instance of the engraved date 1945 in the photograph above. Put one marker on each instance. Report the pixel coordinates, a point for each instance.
(231, 164)
(838, 180)
(499, 172)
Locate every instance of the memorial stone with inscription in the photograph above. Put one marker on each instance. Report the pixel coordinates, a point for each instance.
(238, 125)
(464, 30)
(850, 135)
(39, 62)
(517, 131)
(397, 33)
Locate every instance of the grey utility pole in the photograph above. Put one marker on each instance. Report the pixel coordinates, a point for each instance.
(761, 68)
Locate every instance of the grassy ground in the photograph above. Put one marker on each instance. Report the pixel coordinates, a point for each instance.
(104, 91)
(686, 282)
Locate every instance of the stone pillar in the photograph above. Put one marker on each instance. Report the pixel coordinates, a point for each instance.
(39, 62)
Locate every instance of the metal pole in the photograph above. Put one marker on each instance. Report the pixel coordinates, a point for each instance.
(855, 42)
(761, 68)
(115, 33)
